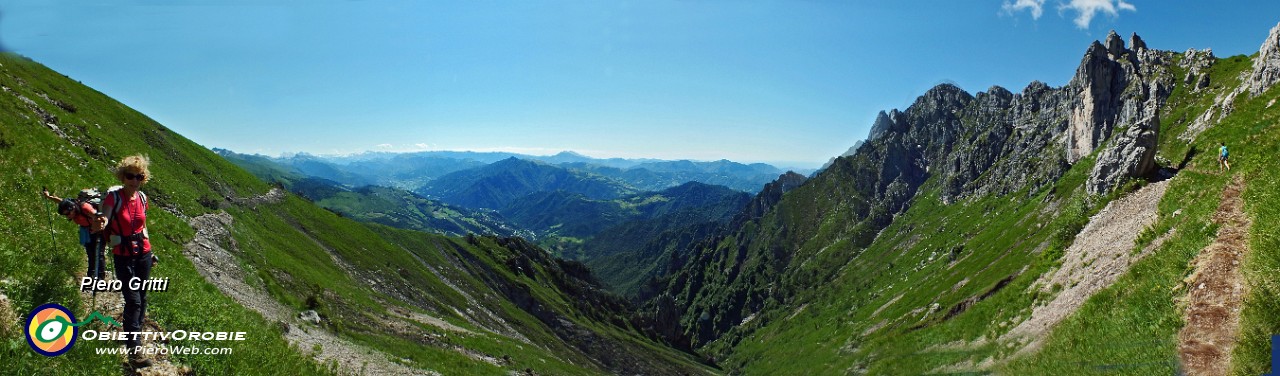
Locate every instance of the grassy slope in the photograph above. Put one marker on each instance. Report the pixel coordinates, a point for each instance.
(39, 267)
(879, 315)
(289, 247)
(1135, 322)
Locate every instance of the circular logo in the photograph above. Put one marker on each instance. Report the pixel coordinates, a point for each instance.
(49, 329)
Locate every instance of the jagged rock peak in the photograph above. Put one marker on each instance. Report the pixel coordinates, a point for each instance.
(999, 91)
(881, 126)
(944, 89)
(1136, 43)
(1115, 46)
(1194, 57)
(1035, 87)
(769, 196)
(942, 95)
(788, 181)
(994, 97)
(1266, 68)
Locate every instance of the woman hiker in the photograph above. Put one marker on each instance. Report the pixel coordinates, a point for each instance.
(83, 214)
(124, 216)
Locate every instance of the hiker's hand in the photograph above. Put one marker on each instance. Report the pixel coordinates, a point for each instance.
(45, 192)
(99, 223)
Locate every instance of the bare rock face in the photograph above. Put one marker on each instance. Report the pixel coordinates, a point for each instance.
(1266, 68)
(1097, 85)
(1132, 153)
(1117, 89)
(999, 142)
(1137, 43)
(881, 126)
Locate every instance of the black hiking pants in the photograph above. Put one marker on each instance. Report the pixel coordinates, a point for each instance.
(135, 301)
(95, 250)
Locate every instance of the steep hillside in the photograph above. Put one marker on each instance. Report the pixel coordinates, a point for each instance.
(570, 214)
(633, 256)
(260, 261)
(575, 226)
(920, 252)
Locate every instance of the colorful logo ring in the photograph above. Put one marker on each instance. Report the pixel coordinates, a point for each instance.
(50, 331)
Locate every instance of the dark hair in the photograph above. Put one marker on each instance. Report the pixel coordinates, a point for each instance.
(66, 206)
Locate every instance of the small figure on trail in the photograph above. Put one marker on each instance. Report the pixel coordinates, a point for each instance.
(83, 210)
(1222, 157)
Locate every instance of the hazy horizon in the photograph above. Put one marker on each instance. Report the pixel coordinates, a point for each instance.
(532, 153)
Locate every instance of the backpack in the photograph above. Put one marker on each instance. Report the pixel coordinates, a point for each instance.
(90, 196)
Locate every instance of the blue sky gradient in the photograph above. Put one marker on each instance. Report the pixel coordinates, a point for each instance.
(787, 82)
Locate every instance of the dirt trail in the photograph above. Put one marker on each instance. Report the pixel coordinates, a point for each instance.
(211, 252)
(111, 304)
(1100, 254)
(1215, 291)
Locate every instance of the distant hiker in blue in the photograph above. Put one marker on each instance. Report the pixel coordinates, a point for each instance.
(1222, 157)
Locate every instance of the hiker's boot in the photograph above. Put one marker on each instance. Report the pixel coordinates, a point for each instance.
(139, 361)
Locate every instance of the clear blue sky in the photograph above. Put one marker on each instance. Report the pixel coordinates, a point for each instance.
(789, 82)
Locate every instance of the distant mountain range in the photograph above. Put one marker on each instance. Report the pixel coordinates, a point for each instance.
(414, 171)
(384, 205)
(576, 210)
(495, 185)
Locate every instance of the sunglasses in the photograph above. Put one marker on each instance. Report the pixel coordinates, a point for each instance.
(138, 177)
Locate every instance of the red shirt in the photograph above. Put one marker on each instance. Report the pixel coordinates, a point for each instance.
(129, 219)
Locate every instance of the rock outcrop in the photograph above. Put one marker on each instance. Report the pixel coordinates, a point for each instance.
(1132, 152)
(1098, 83)
(998, 142)
(769, 196)
(881, 126)
(1266, 68)
(1264, 75)
(1197, 64)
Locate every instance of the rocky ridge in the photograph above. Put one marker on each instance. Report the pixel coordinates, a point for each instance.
(983, 144)
(1264, 75)
(1266, 68)
(995, 142)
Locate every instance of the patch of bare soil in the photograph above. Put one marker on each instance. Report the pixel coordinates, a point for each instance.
(1215, 291)
(273, 196)
(1100, 254)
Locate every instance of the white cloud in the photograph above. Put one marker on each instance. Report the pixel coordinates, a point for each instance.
(1035, 6)
(1086, 9)
(422, 145)
(384, 146)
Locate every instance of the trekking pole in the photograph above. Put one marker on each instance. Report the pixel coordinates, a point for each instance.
(53, 242)
(96, 256)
